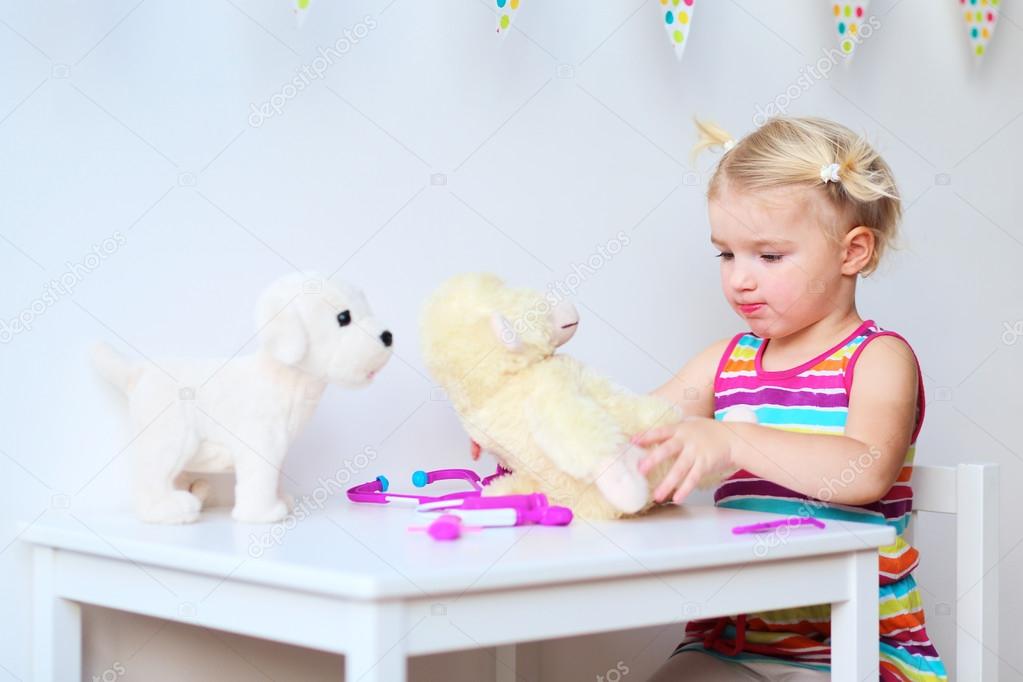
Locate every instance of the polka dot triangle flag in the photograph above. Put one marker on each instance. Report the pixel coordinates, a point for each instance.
(506, 11)
(678, 18)
(301, 10)
(849, 17)
(981, 17)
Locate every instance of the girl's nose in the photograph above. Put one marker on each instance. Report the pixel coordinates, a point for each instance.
(741, 280)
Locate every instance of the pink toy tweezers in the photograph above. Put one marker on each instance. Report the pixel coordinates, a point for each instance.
(768, 525)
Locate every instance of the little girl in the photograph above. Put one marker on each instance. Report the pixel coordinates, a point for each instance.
(799, 209)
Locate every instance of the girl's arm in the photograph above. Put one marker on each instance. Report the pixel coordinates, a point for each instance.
(856, 468)
(859, 467)
(692, 387)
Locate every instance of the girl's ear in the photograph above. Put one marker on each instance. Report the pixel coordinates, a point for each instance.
(858, 248)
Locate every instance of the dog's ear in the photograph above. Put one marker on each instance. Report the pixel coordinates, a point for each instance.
(279, 323)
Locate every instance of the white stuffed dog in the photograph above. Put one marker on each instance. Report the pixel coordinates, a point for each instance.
(242, 413)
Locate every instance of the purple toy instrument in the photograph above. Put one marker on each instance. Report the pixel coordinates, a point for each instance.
(768, 525)
(448, 512)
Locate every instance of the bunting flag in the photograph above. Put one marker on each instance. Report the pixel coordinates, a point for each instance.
(849, 17)
(678, 18)
(506, 11)
(301, 10)
(981, 17)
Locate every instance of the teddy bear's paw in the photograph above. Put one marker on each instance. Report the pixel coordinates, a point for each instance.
(621, 483)
(595, 507)
(178, 506)
(254, 514)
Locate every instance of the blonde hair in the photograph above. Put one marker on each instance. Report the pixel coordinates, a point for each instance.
(792, 151)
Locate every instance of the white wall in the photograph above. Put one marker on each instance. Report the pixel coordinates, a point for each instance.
(133, 118)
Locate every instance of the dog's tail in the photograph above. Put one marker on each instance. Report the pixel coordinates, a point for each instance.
(115, 368)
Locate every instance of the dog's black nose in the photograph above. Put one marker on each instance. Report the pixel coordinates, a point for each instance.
(386, 337)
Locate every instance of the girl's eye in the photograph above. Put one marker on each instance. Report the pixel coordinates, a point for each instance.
(771, 257)
(725, 255)
(344, 318)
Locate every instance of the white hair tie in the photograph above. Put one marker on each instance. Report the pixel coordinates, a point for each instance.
(829, 173)
(728, 144)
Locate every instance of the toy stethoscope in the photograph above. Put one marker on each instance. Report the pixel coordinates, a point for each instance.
(375, 491)
(469, 506)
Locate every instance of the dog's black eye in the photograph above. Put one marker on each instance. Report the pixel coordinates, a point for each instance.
(344, 318)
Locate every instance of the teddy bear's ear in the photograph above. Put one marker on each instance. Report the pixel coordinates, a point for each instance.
(505, 332)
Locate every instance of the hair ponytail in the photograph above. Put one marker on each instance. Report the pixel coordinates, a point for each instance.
(864, 175)
(708, 135)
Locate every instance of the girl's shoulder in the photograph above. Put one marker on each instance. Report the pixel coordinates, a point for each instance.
(882, 351)
(883, 368)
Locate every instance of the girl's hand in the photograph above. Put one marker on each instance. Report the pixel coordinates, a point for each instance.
(702, 446)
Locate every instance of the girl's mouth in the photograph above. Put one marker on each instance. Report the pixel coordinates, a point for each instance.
(750, 308)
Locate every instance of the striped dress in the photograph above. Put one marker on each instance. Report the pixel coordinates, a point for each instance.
(814, 398)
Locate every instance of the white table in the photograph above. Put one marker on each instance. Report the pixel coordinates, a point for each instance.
(353, 581)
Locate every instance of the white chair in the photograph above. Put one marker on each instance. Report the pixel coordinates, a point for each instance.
(970, 491)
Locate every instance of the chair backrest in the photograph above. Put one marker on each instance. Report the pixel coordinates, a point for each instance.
(970, 491)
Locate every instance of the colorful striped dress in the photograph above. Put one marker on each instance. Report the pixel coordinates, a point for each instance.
(814, 398)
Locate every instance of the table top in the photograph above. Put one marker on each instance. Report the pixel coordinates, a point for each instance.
(363, 551)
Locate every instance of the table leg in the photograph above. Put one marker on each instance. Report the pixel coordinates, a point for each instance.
(517, 662)
(854, 623)
(507, 663)
(56, 625)
(379, 654)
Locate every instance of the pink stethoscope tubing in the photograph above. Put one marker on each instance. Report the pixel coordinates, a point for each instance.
(375, 491)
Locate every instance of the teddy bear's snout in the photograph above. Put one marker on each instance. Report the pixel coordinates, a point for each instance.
(564, 320)
(387, 338)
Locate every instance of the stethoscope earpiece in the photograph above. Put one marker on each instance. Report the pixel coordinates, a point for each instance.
(420, 478)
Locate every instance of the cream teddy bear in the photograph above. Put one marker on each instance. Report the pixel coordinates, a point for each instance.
(560, 428)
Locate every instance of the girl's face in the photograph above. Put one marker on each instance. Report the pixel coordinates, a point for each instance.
(779, 270)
